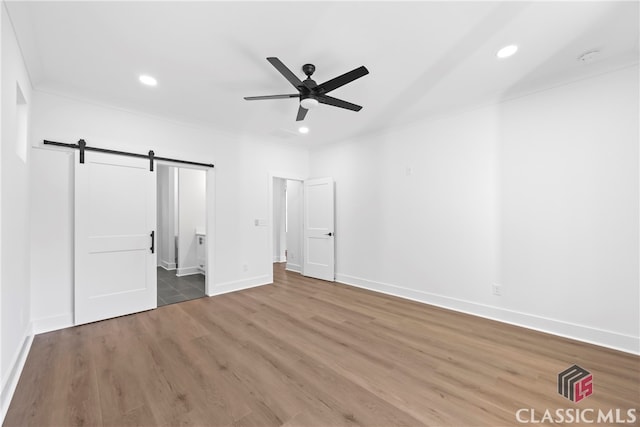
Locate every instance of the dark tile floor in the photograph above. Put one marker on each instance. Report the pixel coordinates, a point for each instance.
(172, 289)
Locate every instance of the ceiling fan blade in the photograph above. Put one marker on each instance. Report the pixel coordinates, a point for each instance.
(329, 100)
(342, 80)
(255, 98)
(301, 113)
(287, 73)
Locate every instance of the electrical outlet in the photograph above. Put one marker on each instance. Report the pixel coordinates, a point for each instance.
(496, 289)
(245, 267)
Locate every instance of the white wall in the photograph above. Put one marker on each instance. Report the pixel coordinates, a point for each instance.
(279, 223)
(51, 216)
(236, 188)
(570, 195)
(14, 222)
(191, 216)
(538, 194)
(294, 229)
(3, 375)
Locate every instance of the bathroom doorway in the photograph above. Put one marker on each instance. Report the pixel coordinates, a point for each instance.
(182, 234)
(287, 223)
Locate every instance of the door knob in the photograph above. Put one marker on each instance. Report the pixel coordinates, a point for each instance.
(329, 234)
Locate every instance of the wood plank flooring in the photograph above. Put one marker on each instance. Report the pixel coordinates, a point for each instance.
(304, 352)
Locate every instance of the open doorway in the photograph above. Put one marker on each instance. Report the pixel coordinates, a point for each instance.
(287, 223)
(302, 226)
(182, 234)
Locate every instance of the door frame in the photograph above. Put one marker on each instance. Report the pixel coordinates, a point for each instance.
(209, 217)
(282, 175)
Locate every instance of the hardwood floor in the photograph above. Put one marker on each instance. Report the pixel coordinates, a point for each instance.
(304, 352)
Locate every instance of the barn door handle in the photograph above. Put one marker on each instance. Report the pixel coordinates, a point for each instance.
(153, 242)
(329, 234)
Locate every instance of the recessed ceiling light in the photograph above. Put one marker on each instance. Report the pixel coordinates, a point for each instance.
(148, 80)
(507, 51)
(303, 129)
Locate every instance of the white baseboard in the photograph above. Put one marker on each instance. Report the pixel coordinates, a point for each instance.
(167, 265)
(187, 271)
(293, 267)
(52, 323)
(11, 382)
(614, 340)
(238, 285)
(279, 258)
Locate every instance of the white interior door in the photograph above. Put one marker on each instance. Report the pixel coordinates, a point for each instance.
(318, 229)
(115, 216)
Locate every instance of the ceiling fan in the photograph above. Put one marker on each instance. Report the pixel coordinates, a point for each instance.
(309, 92)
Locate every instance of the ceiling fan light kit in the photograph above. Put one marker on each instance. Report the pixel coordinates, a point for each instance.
(309, 103)
(310, 93)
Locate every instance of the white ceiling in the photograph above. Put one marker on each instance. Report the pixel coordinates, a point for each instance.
(424, 58)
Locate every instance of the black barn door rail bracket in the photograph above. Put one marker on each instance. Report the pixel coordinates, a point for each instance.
(82, 146)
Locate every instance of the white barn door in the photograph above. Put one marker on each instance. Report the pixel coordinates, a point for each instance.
(318, 231)
(115, 223)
